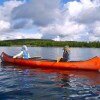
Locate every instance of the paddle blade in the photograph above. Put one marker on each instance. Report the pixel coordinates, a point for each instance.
(58, 59)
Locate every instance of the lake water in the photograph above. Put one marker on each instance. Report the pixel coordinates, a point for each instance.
(23, 83)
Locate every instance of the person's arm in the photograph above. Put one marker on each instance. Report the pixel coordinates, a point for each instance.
(19, 54)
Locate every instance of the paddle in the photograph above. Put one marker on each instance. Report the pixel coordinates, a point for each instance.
(58, 59)
(35, 57)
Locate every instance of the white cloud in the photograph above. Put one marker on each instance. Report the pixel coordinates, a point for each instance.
(57, 38)
(19, 35)
(67, 28)
(5, 14)
(4, 25)
(42, 13)
(96, 28)
(76, 21)
(6, 9)
(84, 11)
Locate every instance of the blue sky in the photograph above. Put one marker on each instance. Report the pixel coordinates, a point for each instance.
(75, 21)
(1, 2)
(65, 1)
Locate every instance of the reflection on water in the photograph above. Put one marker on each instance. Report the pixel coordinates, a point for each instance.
(25, 82)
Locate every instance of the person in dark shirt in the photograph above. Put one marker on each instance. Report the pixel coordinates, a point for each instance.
(66, 55)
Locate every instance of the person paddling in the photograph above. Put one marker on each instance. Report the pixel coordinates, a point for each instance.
(66, 55)
(24, 53)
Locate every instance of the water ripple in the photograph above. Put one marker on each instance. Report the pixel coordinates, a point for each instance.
(45, 84)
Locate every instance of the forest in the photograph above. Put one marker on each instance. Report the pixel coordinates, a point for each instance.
(48, 43)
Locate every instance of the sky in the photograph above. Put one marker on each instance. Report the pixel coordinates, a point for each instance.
(59, 20)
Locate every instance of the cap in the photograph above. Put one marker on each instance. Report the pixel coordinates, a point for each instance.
(65, 47)
(24, 47)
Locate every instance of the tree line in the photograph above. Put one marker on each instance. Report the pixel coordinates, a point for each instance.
(48, 43)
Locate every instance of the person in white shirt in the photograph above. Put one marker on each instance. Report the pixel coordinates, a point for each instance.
(24, 53)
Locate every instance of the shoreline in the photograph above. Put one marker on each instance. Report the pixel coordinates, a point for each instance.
(48, 43)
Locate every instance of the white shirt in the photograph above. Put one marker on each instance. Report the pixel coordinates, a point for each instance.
(20, 54)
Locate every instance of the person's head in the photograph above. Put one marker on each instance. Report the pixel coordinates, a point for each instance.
(66, 48)
(24, 47)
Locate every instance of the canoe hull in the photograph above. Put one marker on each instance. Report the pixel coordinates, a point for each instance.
(91, 64)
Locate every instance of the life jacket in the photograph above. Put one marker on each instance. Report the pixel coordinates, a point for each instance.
(25, 54)
(66, 55)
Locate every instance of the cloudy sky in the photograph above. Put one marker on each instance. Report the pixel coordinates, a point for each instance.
(64, 20)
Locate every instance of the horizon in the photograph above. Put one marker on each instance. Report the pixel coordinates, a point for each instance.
(47, 40)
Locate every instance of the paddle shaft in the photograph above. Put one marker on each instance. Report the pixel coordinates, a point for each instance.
(35, 57)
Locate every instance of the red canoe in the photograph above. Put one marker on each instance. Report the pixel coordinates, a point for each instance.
(91, 64)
